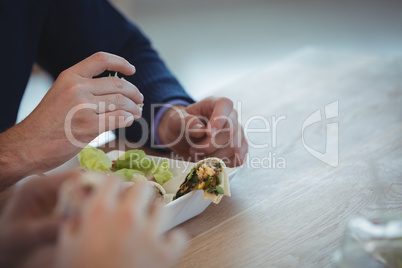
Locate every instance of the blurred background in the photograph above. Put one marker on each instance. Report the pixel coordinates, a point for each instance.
(211, 43)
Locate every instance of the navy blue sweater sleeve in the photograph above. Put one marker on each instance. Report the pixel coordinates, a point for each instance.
(75, 29)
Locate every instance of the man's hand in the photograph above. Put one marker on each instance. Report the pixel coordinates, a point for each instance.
(118, 230)
(208, 128)
(76, 110)
(28, 222)
(115, 228)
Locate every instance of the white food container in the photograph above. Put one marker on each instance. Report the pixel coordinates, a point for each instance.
(177, 211)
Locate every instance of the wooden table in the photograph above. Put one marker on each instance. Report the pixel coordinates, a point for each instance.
(296, 216)
(293, 210)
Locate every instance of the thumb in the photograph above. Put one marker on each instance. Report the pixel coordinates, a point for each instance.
(222, 108)
(195, 127)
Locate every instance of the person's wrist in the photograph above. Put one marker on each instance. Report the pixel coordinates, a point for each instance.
(163, 128)
(14, 157)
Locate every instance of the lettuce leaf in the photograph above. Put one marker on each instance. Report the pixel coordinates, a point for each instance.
(161, 172)
(138, 160)
(130, 163)
(128, 173)
(134, 159)
(92, 158)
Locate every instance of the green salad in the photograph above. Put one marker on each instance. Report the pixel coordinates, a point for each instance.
(131, 163)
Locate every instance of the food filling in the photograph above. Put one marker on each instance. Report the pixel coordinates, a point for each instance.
(206, 177)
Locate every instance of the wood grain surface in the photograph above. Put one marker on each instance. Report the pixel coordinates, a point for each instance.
(296, 216)
(288, 208)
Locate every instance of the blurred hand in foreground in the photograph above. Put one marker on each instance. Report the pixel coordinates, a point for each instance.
(208, 128)
(119, 230)
(28, 222)
(114, 228)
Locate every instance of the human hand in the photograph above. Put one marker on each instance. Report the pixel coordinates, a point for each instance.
(118, 230)
(28, 222)
(76, 110)
(208, 128)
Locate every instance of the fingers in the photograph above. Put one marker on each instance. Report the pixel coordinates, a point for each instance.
(215, 110)
(221, 110)
(128, 233)
(175, 244)
(99, 62)
(228, 143)
(43, 231)
(215, 118)
(67, 232)
(135, 203)
(45, 185)
(116, 119)
(183, 123)
(235, 155)
(103, 200)
(155, 221)
(234, 159)
(40, 192)
(195, 127)
(108, 191)
(115, 102)
(115, 85)
(222, 138)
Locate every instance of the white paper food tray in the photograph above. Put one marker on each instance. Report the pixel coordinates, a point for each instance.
(177, 211)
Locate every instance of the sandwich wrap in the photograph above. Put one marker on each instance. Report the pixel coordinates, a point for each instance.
(209, 175)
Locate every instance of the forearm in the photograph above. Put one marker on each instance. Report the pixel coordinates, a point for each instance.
(4, 197)
(109, 31)
(15, 161)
